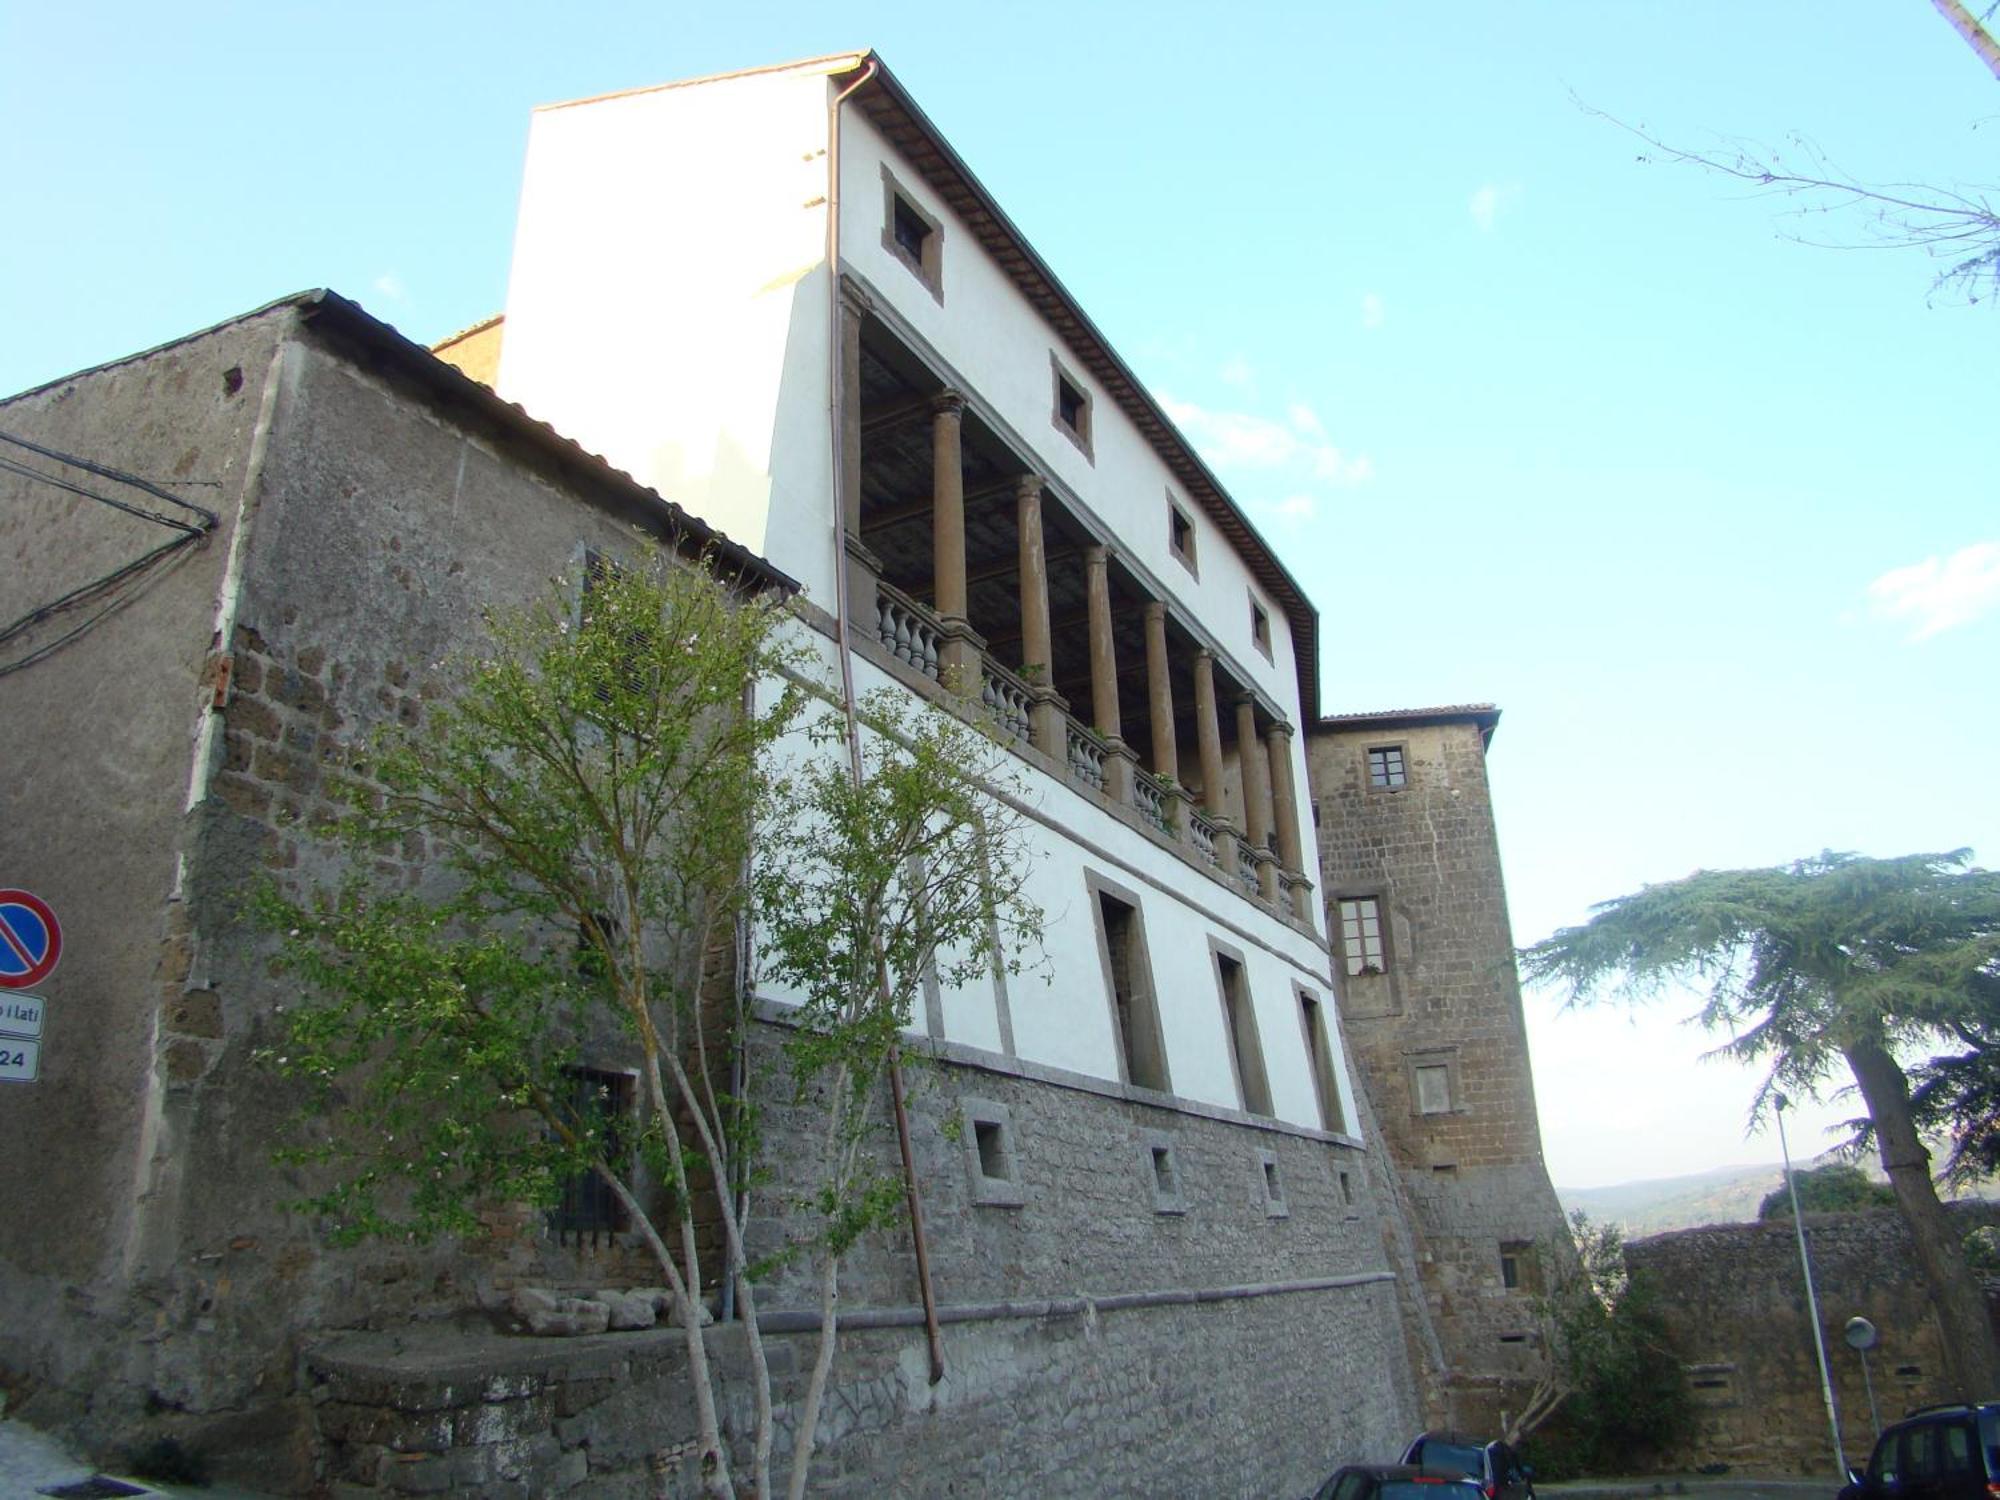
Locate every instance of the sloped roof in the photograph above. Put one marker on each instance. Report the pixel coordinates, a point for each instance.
(1484, 715)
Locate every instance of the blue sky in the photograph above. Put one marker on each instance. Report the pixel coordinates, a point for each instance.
(1711, 514)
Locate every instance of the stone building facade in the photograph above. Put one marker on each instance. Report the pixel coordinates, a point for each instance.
(1410, 867)
(1179, 1271)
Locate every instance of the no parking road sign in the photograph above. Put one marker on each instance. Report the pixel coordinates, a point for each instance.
(30, 940)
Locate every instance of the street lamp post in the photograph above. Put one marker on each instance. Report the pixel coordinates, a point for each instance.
(1779, 1101)
(1860, 1337)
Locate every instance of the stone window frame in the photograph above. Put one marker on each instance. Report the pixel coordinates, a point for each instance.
(1379, 900)
(928, 266)
(1271, 1186)
(987, 1122)
(1160, 1148)
(1181, 535)
(1061, 377)
(1435, 1057)
(1260, 627)
(1319, 1058)
(1250, 1068)
(1401, 750)
(1146, 995)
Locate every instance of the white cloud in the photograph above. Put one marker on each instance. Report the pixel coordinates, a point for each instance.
(1940, 594)
(1373, 312)
(1236, 372)
(390, 285)
(1488, 199)
(1293, 460)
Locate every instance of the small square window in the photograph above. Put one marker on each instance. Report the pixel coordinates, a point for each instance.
(1180, 535)
(1361, 936)
(1519, 1270)
(1163, 1173)
(1070, 411)
(910, 229)
(1386, 772)
(992, 1148)
(1260, 627)
(1274, 1186)
(912, 236)
(992, 1169)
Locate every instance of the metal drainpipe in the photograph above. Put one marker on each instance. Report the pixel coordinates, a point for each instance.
(911, 1195)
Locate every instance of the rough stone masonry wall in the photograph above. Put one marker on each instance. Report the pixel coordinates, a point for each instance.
(1449, 996)
(1735, 1304)
(370, 528)
(1093, 1343)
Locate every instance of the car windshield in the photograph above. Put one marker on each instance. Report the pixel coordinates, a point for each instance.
(1419, 1489)
(1989, 1437)
(1467, 1460)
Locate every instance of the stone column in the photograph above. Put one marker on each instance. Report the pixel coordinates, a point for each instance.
(1160, 699)
(863, 567)
(1037, 667)
(1254, 765)
(1104, 676)
(1208, 736)
(1285, 803)
(958, 658)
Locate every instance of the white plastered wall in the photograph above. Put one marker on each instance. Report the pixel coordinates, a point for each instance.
(667, 306)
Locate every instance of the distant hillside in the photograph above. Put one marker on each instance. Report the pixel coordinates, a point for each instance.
(1724, 1195)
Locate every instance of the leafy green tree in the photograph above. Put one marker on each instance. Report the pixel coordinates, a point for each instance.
(1627, 1392)
(1836, 963)
(555, 858)
(1837, 1187)
(904, 863)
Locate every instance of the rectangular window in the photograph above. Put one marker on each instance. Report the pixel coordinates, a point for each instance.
(1240, 1022)
(1520, 1271)
(600, 1101)
(1319, 1052)
(912, 236)
(1275, 1206)
(992, 1168)
(1070, 412)
(1385, 768)
(1260, 628)
(1134, 1012)
(1361, 936)
(1433, 1088)
(1180, 535)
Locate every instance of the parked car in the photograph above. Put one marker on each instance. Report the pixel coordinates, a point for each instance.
(1935, 1453)
(1496, 1468)
(1393, 1482)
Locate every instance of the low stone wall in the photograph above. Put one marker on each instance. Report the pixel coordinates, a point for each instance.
(1251, 1391)
(1735, 1305)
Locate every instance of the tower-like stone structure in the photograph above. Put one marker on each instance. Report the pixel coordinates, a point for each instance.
(1410, 870)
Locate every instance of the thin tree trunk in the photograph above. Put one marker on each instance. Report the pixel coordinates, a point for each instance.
(1961, 1307)
(715, 1457)
(802, 1440)
(1976, 36)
